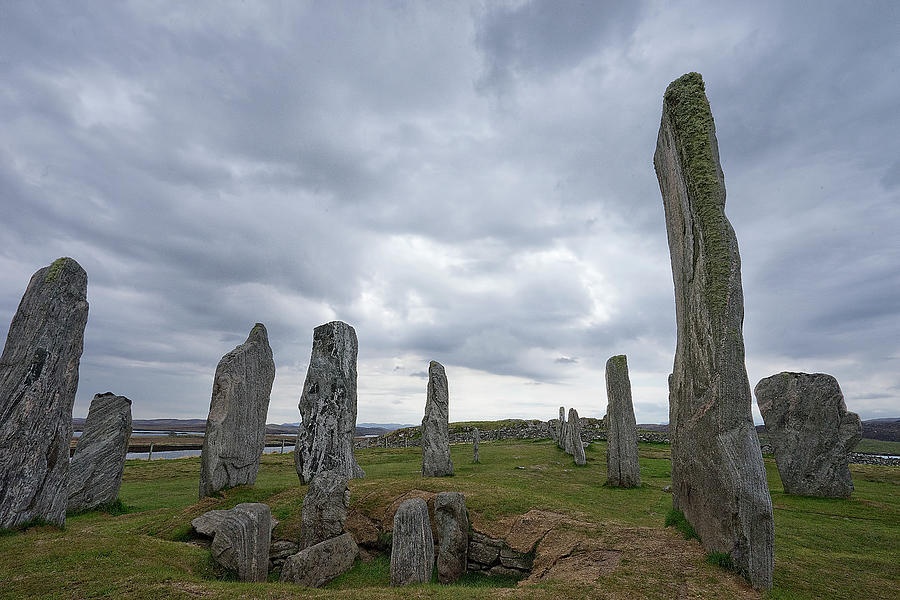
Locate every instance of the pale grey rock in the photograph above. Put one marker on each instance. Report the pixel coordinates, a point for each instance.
(241, 538)
(476, 438)
(412, 550)
(574, 445)
(324, 508)
(718, 476)
(453, 533)
(810, 431)
(317, 565)
(435, 425)
(622, 468)
(236, 427)
(38, 381)
(95, 473)
(328, 405)
(561, 440)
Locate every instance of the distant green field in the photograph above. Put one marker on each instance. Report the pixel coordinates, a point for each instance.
(878, 447)
(823, 548)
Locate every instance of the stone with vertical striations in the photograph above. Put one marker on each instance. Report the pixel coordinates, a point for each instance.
(622, 468)
(453, 533)
(236, 427)
(412, 548)
(718, 476)
(324, 508)
(317, 565)
(574, 445)
(38, 381)
(95, 472)
(561, 440)
(435, 425)
(811, 432)
(241, 538)
(476, 438)
(328, 405)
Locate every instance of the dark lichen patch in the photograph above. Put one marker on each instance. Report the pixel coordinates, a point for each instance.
(56, 268)
(694, 130)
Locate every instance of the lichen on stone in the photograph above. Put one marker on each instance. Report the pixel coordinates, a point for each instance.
(56, 268)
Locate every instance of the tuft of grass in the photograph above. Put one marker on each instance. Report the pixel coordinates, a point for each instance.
(182, 533)
(722, 560)
(208, 568)
(675, 518)
(114, 508)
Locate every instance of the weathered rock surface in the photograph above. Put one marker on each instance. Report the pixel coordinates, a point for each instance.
(317, 565)
(279, 551)
(328, 405)
(412, 550)
(476, 438)
(574, 445)
(435, 425)
(236, 427)
(622, 468)
(38, 381)
(718, 477)
(561, 440)
(241, 538)
(324, 508)
(453, 533)
(95, 473)
(810, 431)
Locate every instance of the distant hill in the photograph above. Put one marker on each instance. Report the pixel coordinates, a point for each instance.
(199, 426)
(885, 429)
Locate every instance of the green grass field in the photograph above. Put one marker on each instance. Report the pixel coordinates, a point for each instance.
(824, 548)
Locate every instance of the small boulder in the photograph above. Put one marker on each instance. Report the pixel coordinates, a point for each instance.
(412, 550)
(241, 538)
(453, 533)
(476, 438)
(317, 565)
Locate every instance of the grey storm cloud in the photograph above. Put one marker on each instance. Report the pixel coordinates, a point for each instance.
(465, 182)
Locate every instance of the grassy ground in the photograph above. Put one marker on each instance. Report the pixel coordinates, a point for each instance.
(824, 548)
(878, 447)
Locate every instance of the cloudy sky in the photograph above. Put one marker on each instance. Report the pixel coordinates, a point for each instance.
(465, 182)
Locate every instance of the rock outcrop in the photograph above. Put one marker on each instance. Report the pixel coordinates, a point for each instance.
(810, 431)
(622, 468)
(324, 508)
(38, 381)
(476, 438)
(453, 533)
(240, 538)
(574, 445)
(412, 549)
(236, 427)
(718, 477)
(328, 405)
(435, 425)
(317, 565)
(95, 473)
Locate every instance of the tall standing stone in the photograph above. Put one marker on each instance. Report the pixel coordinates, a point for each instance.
(435, 425)
(574, 445)
(324, 508)
(328, 405)
(95, 473)
(236, 427)
(412, 547)
(811, 432)
(38, 381)
(453, 533)
(718, 477)
(561, 440)
(476, 438)
(622, 469)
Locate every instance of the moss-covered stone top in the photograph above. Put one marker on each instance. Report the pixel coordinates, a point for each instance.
(56, 268)
(688, 110)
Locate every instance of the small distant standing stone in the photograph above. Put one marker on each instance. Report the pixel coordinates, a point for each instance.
(317, 565)
(811, 432)
(435, 425)
(561, 439)
(236, 427)
(38, 381)
(574, 437)
(622, 468)
(453, 532)
(241, 538)
(476, 437)
(412, 550)
(95, 473)
(324, 508)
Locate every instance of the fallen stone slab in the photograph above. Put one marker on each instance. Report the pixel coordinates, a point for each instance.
(317, 565)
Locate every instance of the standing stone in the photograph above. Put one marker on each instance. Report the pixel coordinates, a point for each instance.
(476, 437)
(622, 469)
(324, 508)
(328, 405)
(38, 381)
(453, 533)
(95, 473)
(317, 565)
(718, 477)
(241, 538)
(574, 445)
(811, 432)
(561, 440)
(412, 550)
(236, 427)
(435, 425)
